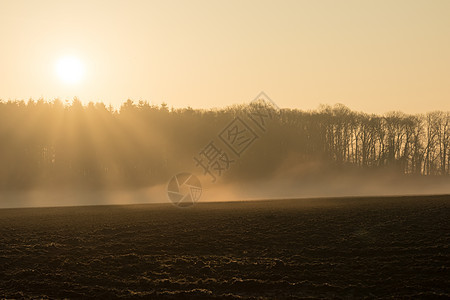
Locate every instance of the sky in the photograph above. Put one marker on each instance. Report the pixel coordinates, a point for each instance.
(373, 56)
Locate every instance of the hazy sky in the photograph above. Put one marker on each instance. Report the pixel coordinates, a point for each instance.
(374, 56)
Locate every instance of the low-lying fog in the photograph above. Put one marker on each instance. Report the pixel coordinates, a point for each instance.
(278, 187)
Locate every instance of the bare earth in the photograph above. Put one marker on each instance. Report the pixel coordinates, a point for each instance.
(391, 247)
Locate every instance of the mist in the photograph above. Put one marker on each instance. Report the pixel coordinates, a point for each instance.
(280, 187)
(55, 154)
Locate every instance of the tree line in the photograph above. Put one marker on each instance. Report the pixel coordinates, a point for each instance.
(56, 144)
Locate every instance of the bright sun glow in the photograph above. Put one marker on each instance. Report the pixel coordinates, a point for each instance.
(70, 69)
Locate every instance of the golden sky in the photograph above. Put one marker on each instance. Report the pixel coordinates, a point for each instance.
(374, 56)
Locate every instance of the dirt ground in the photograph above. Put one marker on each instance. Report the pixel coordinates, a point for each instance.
(390, 247)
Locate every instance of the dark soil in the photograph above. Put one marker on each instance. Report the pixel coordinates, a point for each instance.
(390, 247)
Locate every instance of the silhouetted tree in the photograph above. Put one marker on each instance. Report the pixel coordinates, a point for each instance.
(56, 144)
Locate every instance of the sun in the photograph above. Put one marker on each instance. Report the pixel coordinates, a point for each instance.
(69, 69)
